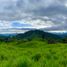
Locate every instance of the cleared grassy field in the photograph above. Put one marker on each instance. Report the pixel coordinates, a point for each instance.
(33, 54)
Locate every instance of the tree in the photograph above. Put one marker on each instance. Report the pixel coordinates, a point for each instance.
(64, 40)
(52, 41)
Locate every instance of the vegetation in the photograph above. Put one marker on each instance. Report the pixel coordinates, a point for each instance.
(33, 54)
(31, 51)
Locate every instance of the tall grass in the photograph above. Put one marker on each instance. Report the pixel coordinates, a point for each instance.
(33, 54)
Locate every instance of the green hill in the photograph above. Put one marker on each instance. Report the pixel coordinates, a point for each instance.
(33, 53)
(34, 48)
(33, 35)
(38, 35)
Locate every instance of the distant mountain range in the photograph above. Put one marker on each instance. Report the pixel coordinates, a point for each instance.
(38, 35)
(34, 34)
(59, 33)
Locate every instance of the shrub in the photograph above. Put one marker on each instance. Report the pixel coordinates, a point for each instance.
(51, 41)
(64, 40)
(36, 57)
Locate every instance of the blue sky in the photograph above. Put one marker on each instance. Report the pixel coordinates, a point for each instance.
(46, 14)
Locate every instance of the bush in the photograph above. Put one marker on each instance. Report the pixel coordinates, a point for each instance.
(36, 57)
(51, 41)
(64, 40)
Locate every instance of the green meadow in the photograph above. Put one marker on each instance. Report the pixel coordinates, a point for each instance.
(34, 53)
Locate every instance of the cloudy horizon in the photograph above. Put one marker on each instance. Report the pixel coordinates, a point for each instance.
(49, 15)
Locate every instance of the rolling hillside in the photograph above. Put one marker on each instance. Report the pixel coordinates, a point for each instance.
(37, 33)
(34, 35)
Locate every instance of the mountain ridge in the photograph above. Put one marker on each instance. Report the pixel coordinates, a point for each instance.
(37, 34)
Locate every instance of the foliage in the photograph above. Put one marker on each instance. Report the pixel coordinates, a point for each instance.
(33, 53)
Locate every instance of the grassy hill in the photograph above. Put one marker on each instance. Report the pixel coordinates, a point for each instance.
(33, 49)
(33, 54)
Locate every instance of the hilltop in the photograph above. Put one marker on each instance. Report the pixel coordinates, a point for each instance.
(33, 35)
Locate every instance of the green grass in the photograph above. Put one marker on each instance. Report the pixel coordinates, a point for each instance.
(33, 54)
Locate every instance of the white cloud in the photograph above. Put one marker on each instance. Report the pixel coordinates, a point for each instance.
(5, 24)
(65, 4)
